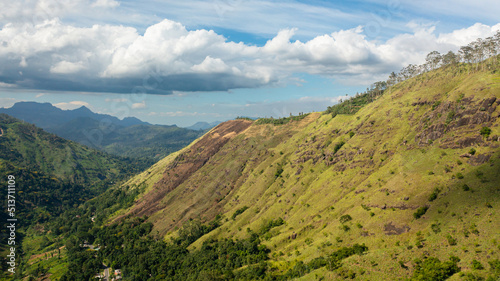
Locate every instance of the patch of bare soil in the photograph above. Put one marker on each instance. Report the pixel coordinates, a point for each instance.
(187, 163)
(391, 229)
(479, 159)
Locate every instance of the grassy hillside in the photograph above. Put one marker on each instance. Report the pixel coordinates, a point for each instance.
(402, 185)
(409, 151)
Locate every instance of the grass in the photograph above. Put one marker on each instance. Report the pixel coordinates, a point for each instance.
(379, 177)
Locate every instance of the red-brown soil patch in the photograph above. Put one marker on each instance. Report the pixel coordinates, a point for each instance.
(187, 163)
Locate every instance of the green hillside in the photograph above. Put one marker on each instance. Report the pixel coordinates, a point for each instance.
(401, 185)
(53, 174)
(129, 137)
(151, 142)
(23, 145)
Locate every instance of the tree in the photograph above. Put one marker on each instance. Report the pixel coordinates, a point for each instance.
(450, 58)
(392, 79)
(466, 54)
(433, 59)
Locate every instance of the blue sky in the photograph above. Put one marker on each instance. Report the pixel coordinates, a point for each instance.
(179, 62)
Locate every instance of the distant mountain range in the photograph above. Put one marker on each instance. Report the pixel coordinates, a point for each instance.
(45, 115)
(129, 137)
(203, 125)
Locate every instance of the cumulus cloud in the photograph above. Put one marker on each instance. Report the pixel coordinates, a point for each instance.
(168, 57)
(71, 105)
(7, 85)
(139, 105)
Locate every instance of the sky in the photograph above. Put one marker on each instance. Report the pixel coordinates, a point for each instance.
(180, 62)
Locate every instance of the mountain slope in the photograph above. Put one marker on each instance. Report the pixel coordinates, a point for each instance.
(402, 175)
(53, 173)
(23, 145)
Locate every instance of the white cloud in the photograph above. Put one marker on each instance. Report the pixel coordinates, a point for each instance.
(106, 4)
(139, 105)
(66, 67)
(7, 85)
(169, 57)
(71, 105)
(23, 62)
(464, 36)
(211, 65)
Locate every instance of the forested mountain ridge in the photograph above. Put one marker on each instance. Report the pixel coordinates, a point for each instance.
(55, 174)
(129, 137)
(23, 145)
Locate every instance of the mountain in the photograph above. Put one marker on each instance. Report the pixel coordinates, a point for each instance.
(129, 137)
(203, 125)
(412, 174)
(46, 116)
(54, 174)
(51, 176)
(394, 184)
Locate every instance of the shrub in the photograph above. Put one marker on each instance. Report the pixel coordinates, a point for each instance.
(271, 224)
(434, 194)
(472, 151)
(420, 212)
(278, 173)
(436, 228)
(436, 104)
(351, 134)
(465, 187)
(335, 259)
(450, 117)
(338, 146)
(477, 265)
(495, 266)
(460, 176)
(345, 218)
(452, 241)
(239, 211)
(433, 269)
(485, 132)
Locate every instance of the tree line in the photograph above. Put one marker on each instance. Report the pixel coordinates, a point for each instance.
(476, 52)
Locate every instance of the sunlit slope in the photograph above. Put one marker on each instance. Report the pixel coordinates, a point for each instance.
(421, 146)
